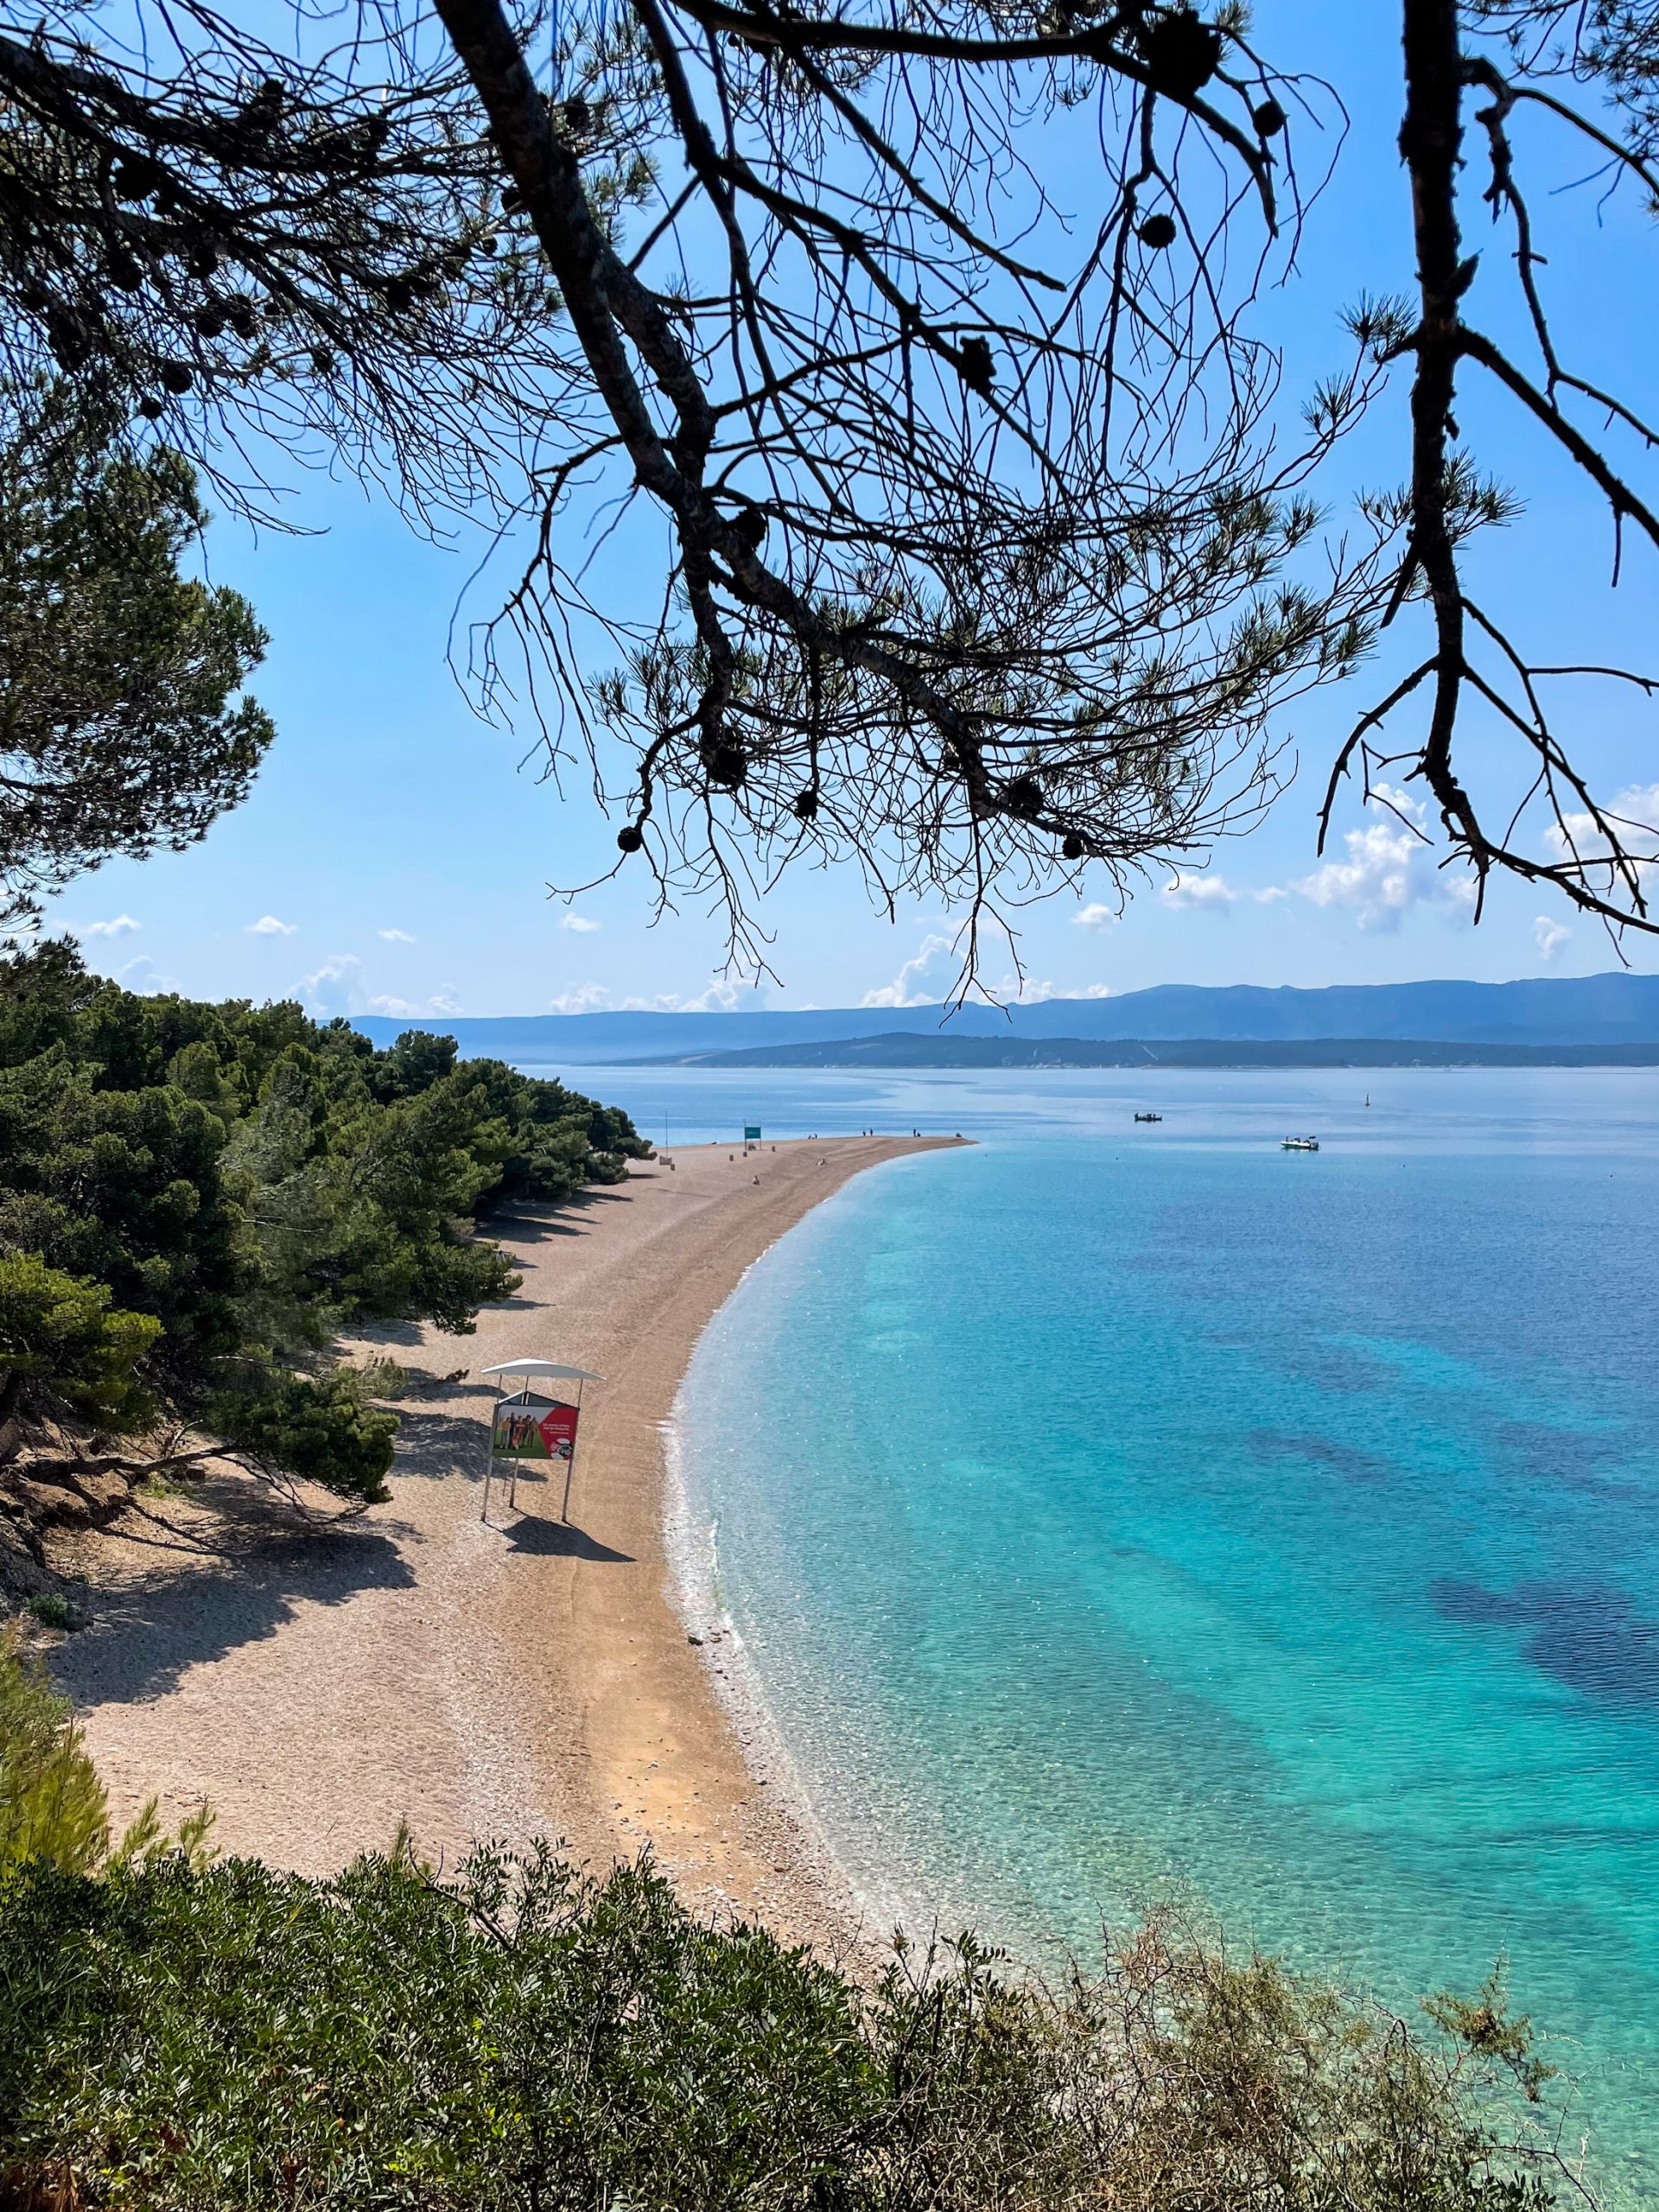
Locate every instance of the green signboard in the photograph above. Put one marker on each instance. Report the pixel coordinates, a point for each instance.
(752, 1136)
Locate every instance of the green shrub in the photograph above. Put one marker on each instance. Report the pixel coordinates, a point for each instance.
(53, 1809)
(317, 1427)
(523, 2037)
(60, 1345)
(52, 1804)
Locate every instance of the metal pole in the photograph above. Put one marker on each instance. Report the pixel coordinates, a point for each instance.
(512, 1485)
(571, 1463)
(489, 1453)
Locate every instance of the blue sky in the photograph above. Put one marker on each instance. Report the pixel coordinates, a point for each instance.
(396, 853)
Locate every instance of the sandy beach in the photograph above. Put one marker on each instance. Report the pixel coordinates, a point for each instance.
(510, 1679)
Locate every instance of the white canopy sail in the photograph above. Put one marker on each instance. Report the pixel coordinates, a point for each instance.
(543, 1368)
(548, 1367)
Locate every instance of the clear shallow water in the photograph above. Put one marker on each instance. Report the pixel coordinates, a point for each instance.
(1108, 1510)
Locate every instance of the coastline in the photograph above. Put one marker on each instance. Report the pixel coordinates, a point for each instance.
(504, 1680)
(848, 1915)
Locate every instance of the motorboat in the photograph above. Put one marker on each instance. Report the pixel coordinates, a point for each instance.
(1299, 1144)
(1149, 1118)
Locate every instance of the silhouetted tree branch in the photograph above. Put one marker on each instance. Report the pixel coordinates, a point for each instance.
(979, 535)
(976, 561)
(923, 335)
(1603, 856)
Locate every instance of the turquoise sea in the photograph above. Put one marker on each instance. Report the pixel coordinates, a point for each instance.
(1115, 1512)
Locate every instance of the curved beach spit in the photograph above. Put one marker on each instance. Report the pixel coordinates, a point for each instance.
(476, 1680)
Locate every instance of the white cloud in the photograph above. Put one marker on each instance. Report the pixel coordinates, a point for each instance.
(442, 1001)
(580, 923)
(581, 998)
(1094, 916)
(332, 988)
(1008, 990)
(146, 984)
(1549, 936)
(1211, 894)
(1377, 880)
(904, 989)
(1636, 809)
(123, 925)
(332, 969)
(1389, 867)
(268, 926)
(1271, 895)
(144, 978)
(396, 936)
(720, 996)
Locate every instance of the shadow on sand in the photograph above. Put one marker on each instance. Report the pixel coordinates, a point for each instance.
(566, 1221)
(209, 1582)
(556, 1539)
(440, 1445)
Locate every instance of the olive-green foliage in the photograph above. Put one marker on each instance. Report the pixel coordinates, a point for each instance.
(522, 2037)
(52, 1804)
(257, 1182)
(1251, 2085)
(59, 1335)
(122, 1188)
(316, 1427)
(53, 1808)
(119, 717)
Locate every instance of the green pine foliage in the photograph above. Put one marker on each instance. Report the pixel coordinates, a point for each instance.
(53, 1813)
(207, 2039)
(60, 1335)
(52, 1804)
(238, 1184)
(316, 1427)
(125, 729)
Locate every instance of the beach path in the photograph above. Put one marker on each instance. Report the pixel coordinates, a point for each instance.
(509, 1679)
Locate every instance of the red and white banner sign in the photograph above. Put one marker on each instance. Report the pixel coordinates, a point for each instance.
(534, 1428)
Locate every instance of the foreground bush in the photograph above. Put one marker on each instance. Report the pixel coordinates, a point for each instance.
(521, 2036)
(53, 1813)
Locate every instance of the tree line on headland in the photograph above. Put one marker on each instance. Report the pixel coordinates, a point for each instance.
(197, 1200)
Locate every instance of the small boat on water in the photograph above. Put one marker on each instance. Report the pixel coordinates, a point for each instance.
(1299, 1144)
(1149, 1118)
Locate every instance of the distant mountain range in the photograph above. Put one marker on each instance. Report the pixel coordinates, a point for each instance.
(1549, 1011)
(905, 1049)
